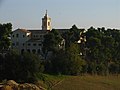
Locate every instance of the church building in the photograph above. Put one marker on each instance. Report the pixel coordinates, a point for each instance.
(31, 40)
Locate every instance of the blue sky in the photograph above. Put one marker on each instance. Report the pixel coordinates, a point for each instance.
(64, 13)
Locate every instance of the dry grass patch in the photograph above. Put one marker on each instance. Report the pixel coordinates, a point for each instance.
(89, 83)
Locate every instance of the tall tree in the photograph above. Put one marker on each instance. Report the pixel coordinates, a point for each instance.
(52, 42)
(23, 67)
(72, 35)
(69, 61)
(5, 31)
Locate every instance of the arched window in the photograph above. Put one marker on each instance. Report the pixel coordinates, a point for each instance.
(39, 44)
(34, 44)
(38, 51)
(17, 35)
(34, 51)
(22, 51)
(48, 23)
(23, 36)
(29, 44)
(28, 50)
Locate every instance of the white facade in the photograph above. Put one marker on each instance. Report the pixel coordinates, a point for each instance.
(31, 40)
(28, 40)
(19, 38)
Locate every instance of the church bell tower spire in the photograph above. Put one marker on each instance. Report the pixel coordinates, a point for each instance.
(46, 13)
(46, 22)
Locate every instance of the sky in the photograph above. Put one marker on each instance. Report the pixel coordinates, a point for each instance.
(28, 14)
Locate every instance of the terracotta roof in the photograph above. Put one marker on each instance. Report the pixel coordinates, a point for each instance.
(22, 30)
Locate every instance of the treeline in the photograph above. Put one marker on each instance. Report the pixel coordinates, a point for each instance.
(102, 51)
(72, 52)
(92, 51)
(21, 68)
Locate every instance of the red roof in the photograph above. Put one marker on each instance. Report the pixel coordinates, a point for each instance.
(23, 30)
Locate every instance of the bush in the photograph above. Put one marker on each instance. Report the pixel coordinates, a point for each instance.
(22, 67)
(67, 62)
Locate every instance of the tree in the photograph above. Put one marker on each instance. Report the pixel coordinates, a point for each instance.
(31, 64)
(1, 67)
(5, 31)
(22, 68)
(12, 65)
(72, 35)
(114, 68)
(51, 42)
(68, 62)
(94, 53)
(102, 49)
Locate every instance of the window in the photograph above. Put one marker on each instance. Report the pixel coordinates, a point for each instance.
(29, 44)
(17, 35)
(17, 43)
(48, 23)
(34, 51)
(22, 51)
(34, 44)
(23, 35)
(28, 50)
(23, 44)
(40, 35)
(39, 44)
(38, 51)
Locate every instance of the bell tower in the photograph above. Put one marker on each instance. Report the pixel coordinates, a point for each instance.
(46, 22)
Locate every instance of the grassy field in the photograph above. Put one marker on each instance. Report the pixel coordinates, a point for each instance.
(88, 83)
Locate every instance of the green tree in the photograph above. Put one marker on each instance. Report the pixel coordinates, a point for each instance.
(68, 62)
(22, 68)
(31, 64)
(52, 42)
(5, 31)
(114, 68)
(12, 65)
(72, 35)
(2, 67)
(102, 48)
